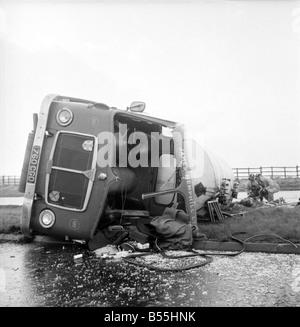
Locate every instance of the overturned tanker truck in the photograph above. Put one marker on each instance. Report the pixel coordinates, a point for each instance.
(88, 166)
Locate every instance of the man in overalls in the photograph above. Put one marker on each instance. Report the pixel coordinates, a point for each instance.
(252, 187)
(268, 187)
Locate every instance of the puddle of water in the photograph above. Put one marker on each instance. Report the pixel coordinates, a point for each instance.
(5, 201)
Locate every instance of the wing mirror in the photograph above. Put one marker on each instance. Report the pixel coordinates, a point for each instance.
(137, 106)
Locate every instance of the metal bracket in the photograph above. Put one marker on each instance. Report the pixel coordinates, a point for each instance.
(90, 174)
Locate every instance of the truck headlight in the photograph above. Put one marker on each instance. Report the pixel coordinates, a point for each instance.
(64, 117)
(47, 218)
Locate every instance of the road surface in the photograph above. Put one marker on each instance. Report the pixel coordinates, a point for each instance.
(38, 274)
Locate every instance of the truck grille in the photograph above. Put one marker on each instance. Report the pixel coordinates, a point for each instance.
(72, 164)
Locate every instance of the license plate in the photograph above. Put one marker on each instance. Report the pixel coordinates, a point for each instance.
(33, 164)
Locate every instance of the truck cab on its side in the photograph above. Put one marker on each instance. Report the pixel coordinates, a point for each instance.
(88, 165)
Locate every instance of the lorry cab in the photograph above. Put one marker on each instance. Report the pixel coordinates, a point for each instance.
(88, 165)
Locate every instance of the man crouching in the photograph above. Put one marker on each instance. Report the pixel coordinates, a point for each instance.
(252, 187)
(268, 187)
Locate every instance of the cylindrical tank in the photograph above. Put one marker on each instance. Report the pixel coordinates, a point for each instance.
(207, 171)
(211, 172)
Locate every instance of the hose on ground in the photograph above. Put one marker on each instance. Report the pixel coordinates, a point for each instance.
(193, 253)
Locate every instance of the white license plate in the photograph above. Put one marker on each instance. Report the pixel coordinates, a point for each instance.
(33, 164)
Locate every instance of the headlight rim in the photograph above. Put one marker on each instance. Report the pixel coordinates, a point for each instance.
(41, 215)
(64, 124)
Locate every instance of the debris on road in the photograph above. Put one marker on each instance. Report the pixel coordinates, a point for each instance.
(78, 256)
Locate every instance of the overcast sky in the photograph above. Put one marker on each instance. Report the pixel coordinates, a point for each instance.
(230, 70)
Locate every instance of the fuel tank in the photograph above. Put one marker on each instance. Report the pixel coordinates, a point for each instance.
(210, 175)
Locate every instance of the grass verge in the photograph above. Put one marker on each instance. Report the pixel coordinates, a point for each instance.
(10, 218)
(284, 222)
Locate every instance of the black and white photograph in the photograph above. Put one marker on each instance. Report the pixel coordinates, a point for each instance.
(150, 156)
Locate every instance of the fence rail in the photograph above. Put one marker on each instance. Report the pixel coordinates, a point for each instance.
(9, 180)
(282, 172)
